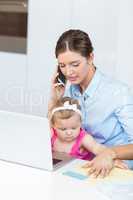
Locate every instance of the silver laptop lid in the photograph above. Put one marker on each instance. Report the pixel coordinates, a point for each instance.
(25, 139)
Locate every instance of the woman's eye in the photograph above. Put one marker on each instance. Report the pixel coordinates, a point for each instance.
(73, 128)
(75, 65)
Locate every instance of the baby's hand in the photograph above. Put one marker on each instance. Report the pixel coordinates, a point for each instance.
(101, 165)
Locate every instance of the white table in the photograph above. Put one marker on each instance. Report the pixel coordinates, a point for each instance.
(19, 182)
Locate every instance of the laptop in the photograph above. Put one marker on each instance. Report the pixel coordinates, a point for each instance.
(25, 139)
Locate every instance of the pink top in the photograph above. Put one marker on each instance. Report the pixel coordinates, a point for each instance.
(75, 150)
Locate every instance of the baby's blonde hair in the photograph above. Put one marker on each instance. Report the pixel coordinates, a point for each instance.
(66, 113)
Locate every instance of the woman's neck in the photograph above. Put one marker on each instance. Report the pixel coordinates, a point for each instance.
(88, 79)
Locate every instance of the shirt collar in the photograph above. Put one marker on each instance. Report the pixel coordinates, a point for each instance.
(92, 87)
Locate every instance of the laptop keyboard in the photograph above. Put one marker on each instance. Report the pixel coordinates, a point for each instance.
(55, 161)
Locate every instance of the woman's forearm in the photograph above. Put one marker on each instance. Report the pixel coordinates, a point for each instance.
(124, 152)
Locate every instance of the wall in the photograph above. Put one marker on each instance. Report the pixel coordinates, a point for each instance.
(109, 24)
(104, 20)
(50, 19)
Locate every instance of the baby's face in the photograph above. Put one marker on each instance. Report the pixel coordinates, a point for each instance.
(68, 129)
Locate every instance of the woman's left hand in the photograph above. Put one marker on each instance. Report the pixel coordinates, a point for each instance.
(120, 164)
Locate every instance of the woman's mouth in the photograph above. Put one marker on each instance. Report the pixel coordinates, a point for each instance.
(72, 79)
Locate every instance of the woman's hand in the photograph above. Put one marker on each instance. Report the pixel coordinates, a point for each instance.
(120, 164)
(57, 89)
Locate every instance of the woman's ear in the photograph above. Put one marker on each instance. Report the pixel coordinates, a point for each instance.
(90, 58)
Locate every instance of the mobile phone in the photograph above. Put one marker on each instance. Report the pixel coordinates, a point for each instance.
(61, 78)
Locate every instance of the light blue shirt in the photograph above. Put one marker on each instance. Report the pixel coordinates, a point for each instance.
(107, 109)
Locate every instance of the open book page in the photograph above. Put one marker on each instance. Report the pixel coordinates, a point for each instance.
(117, 186)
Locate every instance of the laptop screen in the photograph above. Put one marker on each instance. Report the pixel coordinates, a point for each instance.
(25, 139)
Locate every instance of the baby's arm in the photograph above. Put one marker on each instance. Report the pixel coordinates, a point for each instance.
(90, 144)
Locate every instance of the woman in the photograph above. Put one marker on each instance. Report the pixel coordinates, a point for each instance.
(106, 104)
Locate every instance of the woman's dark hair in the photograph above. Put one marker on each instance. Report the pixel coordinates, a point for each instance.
(74, 40)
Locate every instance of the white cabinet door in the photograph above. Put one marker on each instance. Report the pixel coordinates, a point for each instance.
(13, 66)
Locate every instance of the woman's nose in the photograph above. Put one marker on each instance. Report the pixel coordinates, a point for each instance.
(69, 71)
